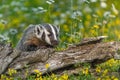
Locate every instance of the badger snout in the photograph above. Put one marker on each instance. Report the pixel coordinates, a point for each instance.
(55, 42)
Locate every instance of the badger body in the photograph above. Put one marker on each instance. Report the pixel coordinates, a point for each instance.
(39, 36)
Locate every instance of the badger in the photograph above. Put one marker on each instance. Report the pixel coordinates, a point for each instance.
(39, 36)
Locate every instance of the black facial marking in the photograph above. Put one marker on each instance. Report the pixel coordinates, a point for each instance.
(48, 28)
(50, 33)
(38, 31)
(43, 36)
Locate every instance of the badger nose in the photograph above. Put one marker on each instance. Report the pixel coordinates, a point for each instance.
(55, 42)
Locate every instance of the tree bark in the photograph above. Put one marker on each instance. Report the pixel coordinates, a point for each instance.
(93, 51)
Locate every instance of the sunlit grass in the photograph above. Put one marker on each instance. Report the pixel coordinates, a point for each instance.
(77, 19)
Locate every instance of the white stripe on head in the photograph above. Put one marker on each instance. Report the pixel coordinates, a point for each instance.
(53, 30)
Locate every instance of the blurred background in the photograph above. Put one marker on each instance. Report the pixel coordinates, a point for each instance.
(77, 18)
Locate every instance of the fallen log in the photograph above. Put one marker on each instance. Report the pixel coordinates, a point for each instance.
(93, 51)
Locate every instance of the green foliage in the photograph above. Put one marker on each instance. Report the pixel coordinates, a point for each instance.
(82, 77)
(77, 19)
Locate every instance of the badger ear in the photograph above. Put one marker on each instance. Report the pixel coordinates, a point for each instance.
(39, 31)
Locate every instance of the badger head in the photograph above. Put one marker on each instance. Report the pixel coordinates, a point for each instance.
(47, 33)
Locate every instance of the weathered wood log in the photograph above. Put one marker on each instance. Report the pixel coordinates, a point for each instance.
(92, 51)
(7, 55)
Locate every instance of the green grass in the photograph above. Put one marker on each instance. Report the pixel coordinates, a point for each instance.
(77, 19)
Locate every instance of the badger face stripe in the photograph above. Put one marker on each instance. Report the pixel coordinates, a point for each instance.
(46, 33)
(53, 31)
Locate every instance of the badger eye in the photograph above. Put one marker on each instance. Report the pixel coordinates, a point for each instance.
(57, 35)
(50, 34)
